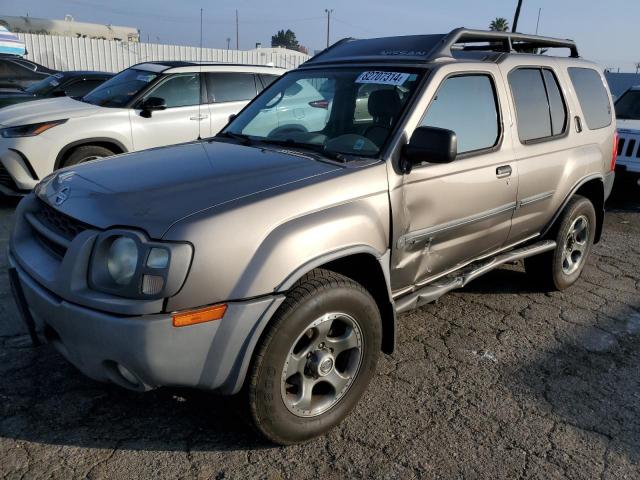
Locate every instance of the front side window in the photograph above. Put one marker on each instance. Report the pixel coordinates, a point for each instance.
(628, 106)
(466, 105)
(81, 87)
(328, 111)
(179, 90)
(592, 96)
(230, 87)
(118, 91)
(541, 112)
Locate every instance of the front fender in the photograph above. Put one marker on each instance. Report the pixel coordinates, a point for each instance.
(265, 244)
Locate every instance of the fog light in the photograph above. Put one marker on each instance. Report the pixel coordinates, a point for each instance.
(152, 284)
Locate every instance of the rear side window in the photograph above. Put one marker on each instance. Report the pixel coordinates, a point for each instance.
(466, 105)
(230, 87)
(541, 112)
(592, 96)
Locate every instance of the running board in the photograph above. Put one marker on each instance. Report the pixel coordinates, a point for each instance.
(435, 290)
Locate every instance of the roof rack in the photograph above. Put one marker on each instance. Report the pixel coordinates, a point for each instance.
(428, 48)
(498, 41)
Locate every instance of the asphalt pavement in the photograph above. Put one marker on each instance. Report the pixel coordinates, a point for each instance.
(499, 380)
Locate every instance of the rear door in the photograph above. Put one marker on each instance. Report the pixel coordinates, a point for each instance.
(180, 122)
(227, 94)
(448, 214)
(556, 143)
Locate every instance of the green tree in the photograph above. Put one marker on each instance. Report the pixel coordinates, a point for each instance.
(499, 24)
(285, 39)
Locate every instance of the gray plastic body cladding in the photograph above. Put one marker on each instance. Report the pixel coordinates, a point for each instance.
(251, 247)
(210, 355)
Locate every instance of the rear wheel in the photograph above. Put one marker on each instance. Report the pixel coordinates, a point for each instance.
(86, 153)
(561, 268)
(316, 358)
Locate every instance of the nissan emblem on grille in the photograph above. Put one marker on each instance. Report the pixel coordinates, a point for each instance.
(62, 196)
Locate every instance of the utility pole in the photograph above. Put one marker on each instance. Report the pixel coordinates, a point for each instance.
(517, 16)
(538, 22)
(637, 67)
(228, 43)
(328, 12)
(201, 34)
(237, 32)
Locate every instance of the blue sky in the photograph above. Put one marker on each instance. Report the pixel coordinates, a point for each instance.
(606, 32)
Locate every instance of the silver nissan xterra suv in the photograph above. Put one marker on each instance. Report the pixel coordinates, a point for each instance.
(273, 259)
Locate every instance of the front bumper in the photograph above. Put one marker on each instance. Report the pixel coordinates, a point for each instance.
(213, 355)
(17, 176)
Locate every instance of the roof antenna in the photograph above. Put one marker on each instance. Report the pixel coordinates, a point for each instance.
(200, 81)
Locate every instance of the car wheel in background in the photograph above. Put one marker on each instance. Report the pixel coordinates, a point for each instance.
(86, 153)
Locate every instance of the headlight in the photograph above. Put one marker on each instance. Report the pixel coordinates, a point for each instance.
(122, 260)
(30, 130)
(128, 264)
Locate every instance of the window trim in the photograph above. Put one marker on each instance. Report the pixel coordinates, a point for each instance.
(612, 107)
(567, 120)
(500, 137)
(255, 87)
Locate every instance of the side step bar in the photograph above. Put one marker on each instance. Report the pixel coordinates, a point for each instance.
(435, 290)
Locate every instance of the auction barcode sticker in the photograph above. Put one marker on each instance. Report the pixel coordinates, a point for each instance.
(383, 78)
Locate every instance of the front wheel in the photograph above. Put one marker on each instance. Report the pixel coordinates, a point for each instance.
(316, 358)
(86, 153)
(562, 267)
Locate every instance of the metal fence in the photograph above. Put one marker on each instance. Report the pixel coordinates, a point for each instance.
(70, 53)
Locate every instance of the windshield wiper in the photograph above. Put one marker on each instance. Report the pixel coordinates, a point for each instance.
(245, 139)
(319, 149)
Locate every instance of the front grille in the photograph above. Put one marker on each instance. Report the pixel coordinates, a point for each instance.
(628, 148)
(60, 223)
(6, 179)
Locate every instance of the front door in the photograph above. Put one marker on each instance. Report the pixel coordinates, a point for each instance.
(448, 214)
(183, 120)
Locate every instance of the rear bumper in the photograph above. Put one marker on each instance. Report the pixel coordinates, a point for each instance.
(213, 355)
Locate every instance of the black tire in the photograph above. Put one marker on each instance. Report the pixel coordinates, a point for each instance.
(86, 153)
(318, 293)
(551, 269)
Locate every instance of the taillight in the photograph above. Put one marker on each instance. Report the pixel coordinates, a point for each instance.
(320, 104)
(614, 153)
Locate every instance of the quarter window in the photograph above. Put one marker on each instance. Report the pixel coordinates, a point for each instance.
(230, 87)
(180, 90)
(466, 105)
(540, 109)
(592, 96)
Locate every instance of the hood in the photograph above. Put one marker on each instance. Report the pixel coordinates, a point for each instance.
(628, 126)
(44, 110)
(155, 188)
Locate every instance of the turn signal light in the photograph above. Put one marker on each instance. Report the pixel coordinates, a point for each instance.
(202, 315)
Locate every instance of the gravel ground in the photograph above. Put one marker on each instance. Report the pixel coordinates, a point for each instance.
(498, 380)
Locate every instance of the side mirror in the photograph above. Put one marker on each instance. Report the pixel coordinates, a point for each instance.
(429, 144)
(232, 117)
(152, 104)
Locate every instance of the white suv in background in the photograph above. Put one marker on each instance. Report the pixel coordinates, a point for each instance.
(148, 105)
(628, 120)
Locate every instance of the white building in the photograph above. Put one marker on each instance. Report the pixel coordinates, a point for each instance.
(69, 28)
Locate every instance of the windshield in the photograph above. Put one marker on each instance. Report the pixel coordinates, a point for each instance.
(45, 85)
(628, 106)
(347, 111)
(120, 90)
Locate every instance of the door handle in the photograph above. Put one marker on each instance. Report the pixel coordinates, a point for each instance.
(503, 171)
(199, 117)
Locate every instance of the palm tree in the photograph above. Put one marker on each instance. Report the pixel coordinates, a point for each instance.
(499, 24)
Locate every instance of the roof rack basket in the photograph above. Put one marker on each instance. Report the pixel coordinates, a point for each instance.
(498, 41)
